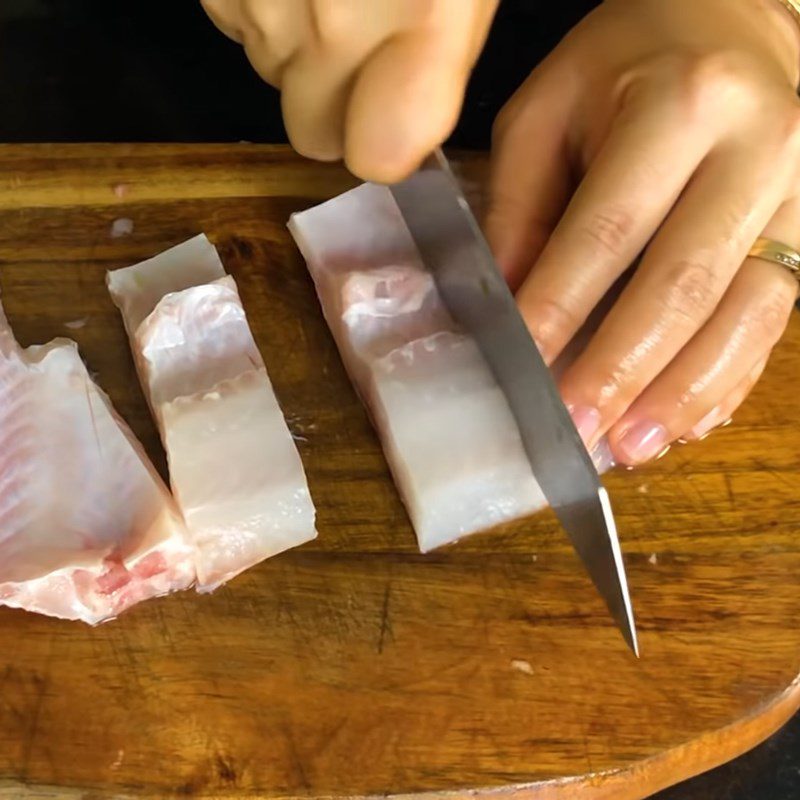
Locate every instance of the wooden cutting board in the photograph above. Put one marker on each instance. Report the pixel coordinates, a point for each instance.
(355, 666)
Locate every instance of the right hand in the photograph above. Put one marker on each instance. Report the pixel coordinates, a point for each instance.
(379, 84)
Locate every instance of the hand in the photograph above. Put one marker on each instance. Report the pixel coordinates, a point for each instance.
(379, 83)
(681, 123)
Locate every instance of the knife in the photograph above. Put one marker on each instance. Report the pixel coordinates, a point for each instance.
(476, 295)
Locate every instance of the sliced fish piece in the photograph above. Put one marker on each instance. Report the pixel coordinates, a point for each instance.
(87, 527)
(448, 434)
(234, 467)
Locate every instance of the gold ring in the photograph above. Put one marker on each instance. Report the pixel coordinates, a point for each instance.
(777, 253)
(793, 7)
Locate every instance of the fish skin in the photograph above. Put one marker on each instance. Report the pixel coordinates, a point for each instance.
(87, 527)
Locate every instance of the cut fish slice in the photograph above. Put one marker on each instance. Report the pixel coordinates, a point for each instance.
(87, 527)
(449, 436)
(234, 467)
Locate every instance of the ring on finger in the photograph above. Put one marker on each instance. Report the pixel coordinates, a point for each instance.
(778, 253)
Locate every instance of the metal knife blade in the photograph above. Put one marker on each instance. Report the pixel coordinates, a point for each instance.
(453, 248)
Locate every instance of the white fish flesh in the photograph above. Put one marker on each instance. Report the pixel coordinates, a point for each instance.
(449, 437)
(234, 467)
(87, 527)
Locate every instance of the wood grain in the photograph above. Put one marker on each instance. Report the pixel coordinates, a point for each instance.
(355, 666)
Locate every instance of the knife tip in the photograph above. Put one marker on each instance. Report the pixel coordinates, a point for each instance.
(632, 640)
(618, 598)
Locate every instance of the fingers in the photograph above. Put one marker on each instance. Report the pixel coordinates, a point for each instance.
(271, 33)
(316, 81)
(381, 84)
(722, 413)
(315, 91)
(408, 94)
(314, 74)
(530, 173)
(713, 373)
(748, 323)
(677, 287)
(224, 13)
(405, 102)
(649, 156)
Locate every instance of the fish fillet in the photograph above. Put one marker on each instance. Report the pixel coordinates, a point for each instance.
(450, 439)
(87, 527)
(234, 467)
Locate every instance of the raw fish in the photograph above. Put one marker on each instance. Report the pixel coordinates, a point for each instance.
(87, 527)
(449, 436)
(234, 467)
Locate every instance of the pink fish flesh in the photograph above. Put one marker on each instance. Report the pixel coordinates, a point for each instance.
(449, 436)
(234, 467)
(87, 527)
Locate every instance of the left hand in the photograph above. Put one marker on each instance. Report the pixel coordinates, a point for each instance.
(681, 123)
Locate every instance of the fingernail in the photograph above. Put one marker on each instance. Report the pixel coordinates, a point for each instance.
(643, 441)
(539, 341)
(587, 421)
(706, 425)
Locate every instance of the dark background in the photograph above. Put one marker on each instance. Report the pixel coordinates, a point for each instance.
(157, 70)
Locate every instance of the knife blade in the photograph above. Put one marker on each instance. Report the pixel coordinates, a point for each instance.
(476, 295)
